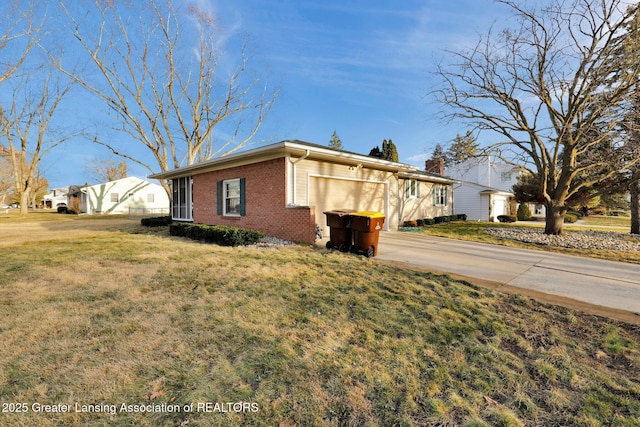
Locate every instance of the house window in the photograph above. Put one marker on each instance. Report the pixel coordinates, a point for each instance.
(505, 176)
(115, 198)
(412, 189)
(231, 197)
(182, 201)
(440, 195)
(151, 198)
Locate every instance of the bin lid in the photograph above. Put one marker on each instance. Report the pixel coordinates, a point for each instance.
(369, 214)
(339, 212)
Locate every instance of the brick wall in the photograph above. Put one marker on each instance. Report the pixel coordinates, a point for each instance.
(266, 209)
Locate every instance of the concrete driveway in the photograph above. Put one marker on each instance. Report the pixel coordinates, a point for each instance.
(609, 284)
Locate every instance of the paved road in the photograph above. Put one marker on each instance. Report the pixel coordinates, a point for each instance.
(605, 283)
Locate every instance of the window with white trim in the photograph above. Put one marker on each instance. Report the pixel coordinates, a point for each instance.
(412, 189)
(115, 198)
(231, 197)
(440, 195)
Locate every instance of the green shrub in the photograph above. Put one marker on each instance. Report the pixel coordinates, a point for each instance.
(442, 219)
(524, 213)
(618, 213)
(507, 218)
(576, 213)
(570, 218)
(217, 234)
(159, 221)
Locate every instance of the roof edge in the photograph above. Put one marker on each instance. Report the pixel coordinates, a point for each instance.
(282, 149)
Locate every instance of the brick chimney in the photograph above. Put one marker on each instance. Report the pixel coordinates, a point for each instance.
(435, 166)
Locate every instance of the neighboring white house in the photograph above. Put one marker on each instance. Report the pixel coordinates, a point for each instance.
(56, 198)
(484, 188)
(123, 196)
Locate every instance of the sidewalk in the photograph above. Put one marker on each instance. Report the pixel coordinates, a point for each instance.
(608, 284)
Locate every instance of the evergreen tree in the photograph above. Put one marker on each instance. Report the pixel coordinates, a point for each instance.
(389, 151)
(375, 152)
(335, 142)
(461, 149)
(438, 153)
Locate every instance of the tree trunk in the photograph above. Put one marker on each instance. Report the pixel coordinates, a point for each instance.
(24, 202)
(554, 219)
(634, 189)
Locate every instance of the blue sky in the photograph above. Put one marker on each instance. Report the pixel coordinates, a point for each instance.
(363, 68)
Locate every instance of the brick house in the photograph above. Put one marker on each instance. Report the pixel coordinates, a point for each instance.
(283, 189)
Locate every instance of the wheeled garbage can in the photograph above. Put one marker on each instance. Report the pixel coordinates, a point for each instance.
(339, 222)
(366, 226)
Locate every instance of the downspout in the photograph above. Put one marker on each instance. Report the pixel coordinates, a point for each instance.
(399, 201)
(293, 178)
(453, 192)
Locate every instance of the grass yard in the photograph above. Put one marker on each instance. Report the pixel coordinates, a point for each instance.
(99, 314)
(608, 221)
(474, 231)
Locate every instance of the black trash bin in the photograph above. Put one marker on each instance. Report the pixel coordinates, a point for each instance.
(338, 222)
(366, 226)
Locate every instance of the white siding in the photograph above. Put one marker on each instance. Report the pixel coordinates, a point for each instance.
(468, 200)
(117, 197)
(485, 171)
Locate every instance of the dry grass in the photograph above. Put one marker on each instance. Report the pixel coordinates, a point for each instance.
(312, 337)
(474, 231)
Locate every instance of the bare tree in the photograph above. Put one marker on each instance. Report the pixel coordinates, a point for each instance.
(6, 174)
(39, 189)
(157, 67)
(546, 87)
(26, 127)
(19, 33)
(107, 170)
(32, 97)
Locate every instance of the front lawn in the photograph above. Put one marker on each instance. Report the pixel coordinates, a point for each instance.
(289, 336)
(474, 231)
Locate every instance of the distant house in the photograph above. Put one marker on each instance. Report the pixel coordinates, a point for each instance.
(483, 190)
(122, 196)
(283, 189)
(56, 198)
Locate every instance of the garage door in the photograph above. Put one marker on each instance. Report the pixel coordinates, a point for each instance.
(334, 193)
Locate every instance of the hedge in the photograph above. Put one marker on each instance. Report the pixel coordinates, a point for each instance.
(218, 234)
(437, 220)
(507, 218)
(159, 221)
(449, 218)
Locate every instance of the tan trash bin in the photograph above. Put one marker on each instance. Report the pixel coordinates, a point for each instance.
(366, 226)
